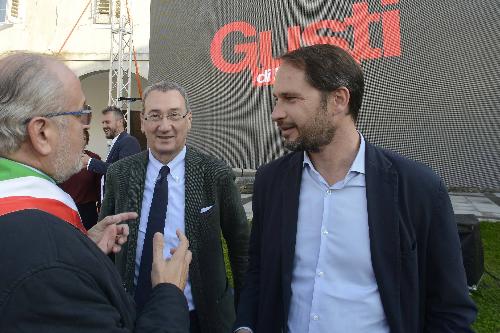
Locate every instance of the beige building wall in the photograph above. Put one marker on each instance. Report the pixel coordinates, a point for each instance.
(42, 26)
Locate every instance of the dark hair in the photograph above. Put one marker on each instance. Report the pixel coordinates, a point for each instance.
(119, 114)
(329, 67)
(114, 109)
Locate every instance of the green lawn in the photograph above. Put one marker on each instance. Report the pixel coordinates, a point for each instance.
(487, 297)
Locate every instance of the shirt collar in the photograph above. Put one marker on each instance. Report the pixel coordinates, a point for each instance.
(358, 165)
(175, 165)
(359, 162)
(114, 139)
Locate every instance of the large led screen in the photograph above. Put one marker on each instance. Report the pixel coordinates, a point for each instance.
(432, 75)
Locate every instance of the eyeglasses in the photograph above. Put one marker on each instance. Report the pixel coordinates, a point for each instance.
(84, 115)
(156, 117)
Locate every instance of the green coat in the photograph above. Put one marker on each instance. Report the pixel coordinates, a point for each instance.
(208, 182)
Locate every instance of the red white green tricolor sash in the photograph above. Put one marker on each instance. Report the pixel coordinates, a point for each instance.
(22, 187)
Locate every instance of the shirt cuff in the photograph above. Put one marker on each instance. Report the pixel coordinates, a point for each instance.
(241, 328)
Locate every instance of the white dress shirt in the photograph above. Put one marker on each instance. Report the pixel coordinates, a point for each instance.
(333, 284)
(175, 210)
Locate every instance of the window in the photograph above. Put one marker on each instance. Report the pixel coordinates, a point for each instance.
(104, 9)
(3, 11)
(14, 8)
(9, 10)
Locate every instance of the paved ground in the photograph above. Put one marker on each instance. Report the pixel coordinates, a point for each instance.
(486, 206)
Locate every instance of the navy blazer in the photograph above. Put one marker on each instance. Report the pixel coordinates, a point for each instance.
(415, 249)
(124, 146)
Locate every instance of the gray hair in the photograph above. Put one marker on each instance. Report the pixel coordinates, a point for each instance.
(28, 88)
(165, 86)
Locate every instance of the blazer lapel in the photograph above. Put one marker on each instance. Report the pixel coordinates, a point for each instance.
(134, 196)
(193, 193)
(383, 222)
(292, 177)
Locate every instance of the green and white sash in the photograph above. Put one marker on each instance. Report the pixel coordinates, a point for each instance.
(23, 187)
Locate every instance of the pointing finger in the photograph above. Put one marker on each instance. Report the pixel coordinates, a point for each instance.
(114, 219)
(158, 247)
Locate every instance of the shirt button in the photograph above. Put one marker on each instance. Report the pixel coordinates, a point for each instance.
(320, 273)
(324, 232)
(315, 317)
(330, 191)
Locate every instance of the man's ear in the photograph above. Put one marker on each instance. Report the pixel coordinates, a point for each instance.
(339, 99)
(41, 135)
(189, 119)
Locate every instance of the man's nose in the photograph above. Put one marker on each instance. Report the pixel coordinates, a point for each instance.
(277, 113)
(165, 123)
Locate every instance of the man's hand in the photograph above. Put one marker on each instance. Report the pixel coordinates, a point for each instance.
(85, 161)
(109, 235)
(173, 270)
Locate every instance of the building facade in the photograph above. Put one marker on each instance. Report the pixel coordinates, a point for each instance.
(46, 26)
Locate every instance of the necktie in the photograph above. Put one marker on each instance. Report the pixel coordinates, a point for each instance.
(156, 223)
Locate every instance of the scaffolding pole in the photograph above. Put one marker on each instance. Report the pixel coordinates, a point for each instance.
(120, 67)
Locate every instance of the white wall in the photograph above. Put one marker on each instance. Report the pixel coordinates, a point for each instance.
(44, 25)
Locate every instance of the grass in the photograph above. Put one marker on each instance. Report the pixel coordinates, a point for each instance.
(487, 296)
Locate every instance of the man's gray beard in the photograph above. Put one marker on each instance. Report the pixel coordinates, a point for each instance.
(64, 166)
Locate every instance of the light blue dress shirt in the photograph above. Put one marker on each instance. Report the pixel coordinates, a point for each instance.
(175, 210)
(333, 284)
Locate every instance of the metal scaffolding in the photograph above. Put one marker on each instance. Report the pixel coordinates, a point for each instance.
(120, 66)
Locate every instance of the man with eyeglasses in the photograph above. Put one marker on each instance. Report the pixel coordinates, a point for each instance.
(122, 144)
(54, 275)
(175, 186)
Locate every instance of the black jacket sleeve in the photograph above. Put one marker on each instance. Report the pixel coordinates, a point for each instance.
(63, 298)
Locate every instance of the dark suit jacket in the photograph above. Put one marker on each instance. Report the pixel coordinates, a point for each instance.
(124, 146)
(208, 182)
(53, 278)
(415, 249)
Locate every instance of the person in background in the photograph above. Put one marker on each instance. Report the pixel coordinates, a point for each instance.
(122, 144)
(55, 276)
(84, 188)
